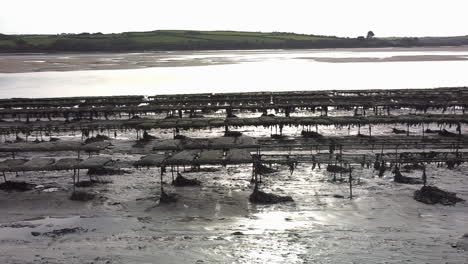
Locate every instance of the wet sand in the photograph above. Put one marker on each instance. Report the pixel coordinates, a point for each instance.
(125, 223)
(61, 62)
(383, 224)
(391, 59)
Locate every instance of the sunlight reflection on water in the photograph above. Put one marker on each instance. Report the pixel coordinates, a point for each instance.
(238, 72)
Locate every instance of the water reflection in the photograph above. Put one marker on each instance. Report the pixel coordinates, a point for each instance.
(255, 76)
(226, 71)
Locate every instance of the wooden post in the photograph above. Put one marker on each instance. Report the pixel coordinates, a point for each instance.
(396, 154)
(260, 180)
(253, 172)
(161, 180)
(74, 182)
(350, 184)
(255, 176)
(341, 169)
(381, 152)
(172, 172)
(334, 172)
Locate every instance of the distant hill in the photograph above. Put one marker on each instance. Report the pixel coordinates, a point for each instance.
(203, 40)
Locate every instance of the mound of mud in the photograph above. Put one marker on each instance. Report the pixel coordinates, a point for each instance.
(82, 196)
(181, 181)
(16, 186)
(434, 195)
(97, 138)
(168, 198)
(260, 197)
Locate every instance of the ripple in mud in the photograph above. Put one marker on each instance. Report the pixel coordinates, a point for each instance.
(61, 232)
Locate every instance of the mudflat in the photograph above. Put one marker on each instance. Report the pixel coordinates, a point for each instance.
(16, 63)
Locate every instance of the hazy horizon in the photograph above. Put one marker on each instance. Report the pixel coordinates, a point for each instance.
(397, 18)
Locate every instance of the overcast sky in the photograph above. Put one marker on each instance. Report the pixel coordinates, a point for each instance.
(325, 17)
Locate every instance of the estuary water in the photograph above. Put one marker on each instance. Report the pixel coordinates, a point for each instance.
(148, 73)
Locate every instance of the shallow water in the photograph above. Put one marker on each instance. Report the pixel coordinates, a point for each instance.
(229, 71)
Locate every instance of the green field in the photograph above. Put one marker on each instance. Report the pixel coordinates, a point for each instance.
(200, 40)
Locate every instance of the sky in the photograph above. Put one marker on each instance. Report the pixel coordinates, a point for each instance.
(346, 18)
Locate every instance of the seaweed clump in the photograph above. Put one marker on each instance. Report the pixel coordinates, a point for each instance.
(181, 181)
(404, 179)
(260, 197)
(398, 131)
(167, 198)
(97, 138)
(445, 133)
(338, 169)
(278, 136)
(262, 169)
(82, 196)
(106, 171)
(92, 182)
(434, 195)
(181, 137)
(16, 186)
(147, 137)
(414, 166)
(232, 134)
(310, 134)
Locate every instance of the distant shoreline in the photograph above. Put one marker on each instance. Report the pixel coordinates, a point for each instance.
(367, 49)
(189, 40)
